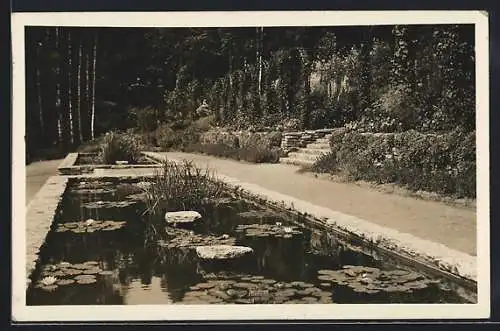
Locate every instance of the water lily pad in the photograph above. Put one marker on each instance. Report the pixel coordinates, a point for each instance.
(310, 299)
(268, 281)
(236, 293)
(49, 288)
(399, 272)
(205, 286)
(58, 274)
(73, 272)
(91, 271)
(80, 277)
(79, 266)
(86, 281)
(286, 293)
(63, 282)
(246, 285)
(326, 277)
(70, 225)
(219, 294)
(91, 263)
(301, 284)
(281, 285)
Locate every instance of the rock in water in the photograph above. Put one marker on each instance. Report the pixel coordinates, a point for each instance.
(182, 217)
(222, 252)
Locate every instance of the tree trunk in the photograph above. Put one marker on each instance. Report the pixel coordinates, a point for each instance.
(58, 92)
(87, 87)
(79, 92)
(39, 89)
(261, 49)
(70, 96)
(94, 61)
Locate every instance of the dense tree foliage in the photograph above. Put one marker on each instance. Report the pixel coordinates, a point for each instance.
(82, 82)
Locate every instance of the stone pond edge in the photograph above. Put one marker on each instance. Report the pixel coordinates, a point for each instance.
(411, 247)
(40, 214)
(68, 167)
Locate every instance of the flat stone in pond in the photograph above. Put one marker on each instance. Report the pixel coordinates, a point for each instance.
(222, 252)
(182, 217)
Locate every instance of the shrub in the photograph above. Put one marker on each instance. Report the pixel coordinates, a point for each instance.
(443, 163)
(326, 163)
(259, 154)
(119, 147)
(256, 152)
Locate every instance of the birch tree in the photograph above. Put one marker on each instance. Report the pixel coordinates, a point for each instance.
(78, 92)
(70, 95)
(94, 62)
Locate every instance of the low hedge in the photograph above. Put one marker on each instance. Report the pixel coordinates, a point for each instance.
(251, 153)
(442, 163)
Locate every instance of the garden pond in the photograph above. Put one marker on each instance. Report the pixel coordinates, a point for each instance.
(101, 251)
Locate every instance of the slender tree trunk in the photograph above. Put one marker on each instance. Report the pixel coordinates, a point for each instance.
(70, 96)
(87, 86)
(79, 92)
(261, 49)
(94, 61)
(58, 92)
(38, 88)
(231, 66)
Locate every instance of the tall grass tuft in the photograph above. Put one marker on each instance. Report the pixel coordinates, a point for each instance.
(178, 186)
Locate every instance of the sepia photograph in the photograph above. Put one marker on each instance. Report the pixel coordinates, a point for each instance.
(249, 166)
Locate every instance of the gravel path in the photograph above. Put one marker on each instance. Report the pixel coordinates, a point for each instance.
(452, 226)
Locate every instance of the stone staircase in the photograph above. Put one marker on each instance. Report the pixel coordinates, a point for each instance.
(306, 156)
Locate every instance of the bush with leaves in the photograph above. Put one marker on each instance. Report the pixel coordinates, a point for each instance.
(442, 163)
(119, 147)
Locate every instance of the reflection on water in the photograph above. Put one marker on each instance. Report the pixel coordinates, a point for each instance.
(122, 267)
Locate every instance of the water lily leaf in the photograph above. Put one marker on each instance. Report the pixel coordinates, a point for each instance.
(63, 282)
(86, 281)
(49, 288)
(73, 272)
(80, 277)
